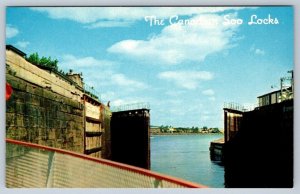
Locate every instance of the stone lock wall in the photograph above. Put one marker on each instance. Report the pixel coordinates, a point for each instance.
(43, 108)
(36, 115)
(50, 109)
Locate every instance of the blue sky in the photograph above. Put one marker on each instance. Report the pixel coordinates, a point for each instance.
(185, 71)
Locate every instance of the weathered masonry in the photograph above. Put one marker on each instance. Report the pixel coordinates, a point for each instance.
(58, 110)
(53, 109)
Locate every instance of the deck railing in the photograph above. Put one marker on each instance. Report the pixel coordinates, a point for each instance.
(35, 166)
(133, 106)
(239, 107)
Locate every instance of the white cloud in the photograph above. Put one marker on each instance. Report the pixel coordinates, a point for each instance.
(204, 117)
(109, 24)
(11, 31)
(99, 72)
(174, 93)
(212, 98)
(208, 92)
(22, 44)
(70, 61)
(181, 43)
(123, 81)
(118, 102)
(259, 52)
(186, 79)
(90, 15)
(256, 51)
(127, 101)
(108, 95)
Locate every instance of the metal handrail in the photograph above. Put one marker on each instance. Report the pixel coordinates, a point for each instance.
(132, 106)
(91, 90)
(239, 107)
(122, 175)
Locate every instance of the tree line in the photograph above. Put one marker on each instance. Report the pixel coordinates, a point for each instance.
(193, 129)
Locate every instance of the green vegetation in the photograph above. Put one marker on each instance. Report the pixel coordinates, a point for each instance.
(183, 130)
(44, 61)
(53, 65)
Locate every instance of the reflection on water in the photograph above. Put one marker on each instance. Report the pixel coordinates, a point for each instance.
(187, 157)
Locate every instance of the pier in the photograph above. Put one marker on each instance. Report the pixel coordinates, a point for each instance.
(217, 150)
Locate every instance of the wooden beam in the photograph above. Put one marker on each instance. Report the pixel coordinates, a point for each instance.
(93, 133)
(93, 150)
(92, 119)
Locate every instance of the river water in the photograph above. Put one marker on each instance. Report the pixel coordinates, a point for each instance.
(187, 157)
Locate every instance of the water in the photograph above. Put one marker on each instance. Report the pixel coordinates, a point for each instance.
(187, 157)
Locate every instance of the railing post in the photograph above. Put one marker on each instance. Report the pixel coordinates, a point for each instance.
(157, 183)
(49, 181)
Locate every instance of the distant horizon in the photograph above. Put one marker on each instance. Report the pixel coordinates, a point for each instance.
(187, 64)
(153, 126)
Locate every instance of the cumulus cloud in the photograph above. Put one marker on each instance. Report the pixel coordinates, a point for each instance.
(91, 67)
(92, 15)
(208, 92)
(186, 79)
(11, 31)
(71, 61)
(256, 51)
(127, 101)
(174, 93)
(180, 43)
(22, 44)
(123, 81)
(108, 95)
(259, 52)
(212, 98)
(109, 24)
(204, 117)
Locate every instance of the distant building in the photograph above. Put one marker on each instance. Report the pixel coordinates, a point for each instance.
(76, 77)
(275, 97)
(171, 130)
(155, 130)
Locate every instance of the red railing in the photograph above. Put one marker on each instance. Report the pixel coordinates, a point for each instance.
(54, 167)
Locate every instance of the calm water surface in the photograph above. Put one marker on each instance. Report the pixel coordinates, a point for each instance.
(187, 157)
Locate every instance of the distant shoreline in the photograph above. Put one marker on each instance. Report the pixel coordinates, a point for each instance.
(163, 134)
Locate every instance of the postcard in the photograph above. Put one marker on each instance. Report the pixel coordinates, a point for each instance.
(149, 97)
